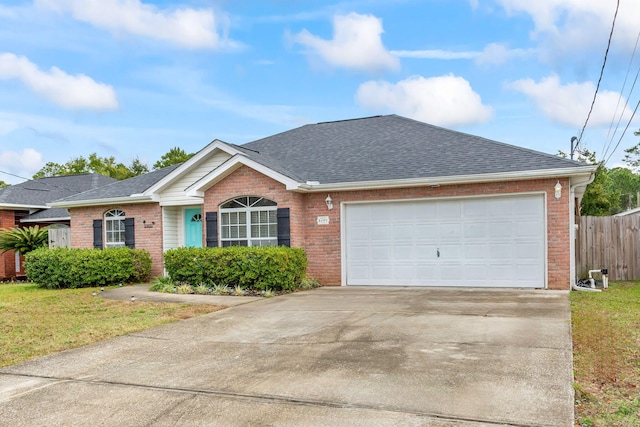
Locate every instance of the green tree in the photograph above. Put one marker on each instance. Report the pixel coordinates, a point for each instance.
(632, 155)
(624, 184)
(23, 240)
(174, 156)
(107, 166)
(598, 199)
(3, 184)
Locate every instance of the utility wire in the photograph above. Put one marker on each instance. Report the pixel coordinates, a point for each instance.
(606, 53)
(623, 132)
(608, 141)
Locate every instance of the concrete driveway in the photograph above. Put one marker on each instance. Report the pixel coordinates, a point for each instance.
(327, 357)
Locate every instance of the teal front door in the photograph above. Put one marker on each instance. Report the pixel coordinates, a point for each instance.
(193, 227)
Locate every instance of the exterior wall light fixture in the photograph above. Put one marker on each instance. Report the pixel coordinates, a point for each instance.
(329, 202)
(558, 190)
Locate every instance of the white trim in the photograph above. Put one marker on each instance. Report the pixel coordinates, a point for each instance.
(103, 202)
(68, 218)
(343, 206)
(192, 202)
(576, 190)
(184, 168)
(628, 212)
(13, 206)
(583, 172)
(198, 188)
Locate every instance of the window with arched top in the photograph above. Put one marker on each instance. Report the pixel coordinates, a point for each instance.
(249, 221)
(114, 228)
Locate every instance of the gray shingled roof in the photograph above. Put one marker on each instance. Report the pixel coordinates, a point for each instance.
(39, 192)
(390, 147)
(45, 215)
(124, 188)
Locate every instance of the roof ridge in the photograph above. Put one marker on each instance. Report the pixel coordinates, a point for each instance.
(351, 120)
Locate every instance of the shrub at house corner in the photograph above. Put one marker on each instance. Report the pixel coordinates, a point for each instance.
(78, 268)
(23, 240)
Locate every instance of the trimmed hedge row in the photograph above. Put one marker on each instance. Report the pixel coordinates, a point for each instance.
(79, 268)
(261, 268)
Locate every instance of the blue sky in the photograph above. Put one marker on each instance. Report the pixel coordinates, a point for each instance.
(132, 78)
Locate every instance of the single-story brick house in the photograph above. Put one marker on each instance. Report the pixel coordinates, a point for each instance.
(381, 200)
(25, 204)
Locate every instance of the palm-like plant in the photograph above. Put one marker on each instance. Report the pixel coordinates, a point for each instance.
(23, 240)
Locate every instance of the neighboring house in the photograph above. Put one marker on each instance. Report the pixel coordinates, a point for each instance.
(633, 211)
(382, 200)
(25, 204)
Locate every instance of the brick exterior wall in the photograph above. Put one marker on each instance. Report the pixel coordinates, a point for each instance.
(145, 238)
(322, 242)
(7, 259)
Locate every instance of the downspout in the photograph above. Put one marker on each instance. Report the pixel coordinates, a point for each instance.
(576, 191)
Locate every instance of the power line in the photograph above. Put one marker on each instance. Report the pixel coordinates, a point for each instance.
(608, 141)
(623, 132)
(606, 53)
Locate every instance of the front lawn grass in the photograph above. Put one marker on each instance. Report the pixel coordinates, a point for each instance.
(35, 322)
(606, 352)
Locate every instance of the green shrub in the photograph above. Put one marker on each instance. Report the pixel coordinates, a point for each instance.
(276, 268)
(78, 268)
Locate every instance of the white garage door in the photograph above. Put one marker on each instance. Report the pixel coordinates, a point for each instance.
(490, 242)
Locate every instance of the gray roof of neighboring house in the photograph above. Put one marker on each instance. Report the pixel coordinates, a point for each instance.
(39, 192)
(390, 147)
(124, 188)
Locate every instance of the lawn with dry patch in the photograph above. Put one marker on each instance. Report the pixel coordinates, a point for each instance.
(606, 351)
(35, 322)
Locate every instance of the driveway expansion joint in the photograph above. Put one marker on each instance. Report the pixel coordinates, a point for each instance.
(270, 398)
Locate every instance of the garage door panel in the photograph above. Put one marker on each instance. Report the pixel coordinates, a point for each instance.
(491, 241)
(449, 209)
(476, 230)
(475, 251)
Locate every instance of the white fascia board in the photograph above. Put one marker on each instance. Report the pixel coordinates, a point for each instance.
(450, 180)
(67, 218)
(102, 202)
(184, 168)
(184, 202)
(198, 188)
(13, 207)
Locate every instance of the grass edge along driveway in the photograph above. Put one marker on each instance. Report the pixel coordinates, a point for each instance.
(35, 322)
(606, 356)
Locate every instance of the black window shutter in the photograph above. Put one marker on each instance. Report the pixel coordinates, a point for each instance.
(284, 235)
(129, 234)
(97, 233)
(211, 219)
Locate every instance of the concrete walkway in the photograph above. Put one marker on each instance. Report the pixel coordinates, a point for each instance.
(326, 357)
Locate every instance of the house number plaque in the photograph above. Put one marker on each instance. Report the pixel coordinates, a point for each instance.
(323, 220)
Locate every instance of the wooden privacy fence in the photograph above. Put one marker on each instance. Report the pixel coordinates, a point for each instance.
(608, 242)
(60, 237)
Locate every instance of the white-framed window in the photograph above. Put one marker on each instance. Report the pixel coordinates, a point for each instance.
(114, 228)
(249, 221)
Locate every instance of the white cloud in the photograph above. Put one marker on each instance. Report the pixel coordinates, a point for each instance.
(569, 104)
(435, 54)
(498, 54)
(356, 44)
(445, 101)
(23, 163)
(185, 27)
(73, 92)
(579, 24)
